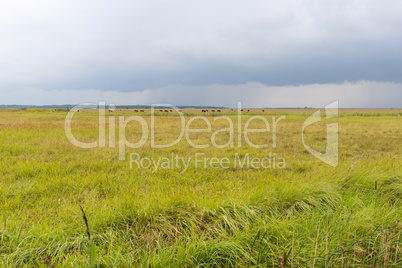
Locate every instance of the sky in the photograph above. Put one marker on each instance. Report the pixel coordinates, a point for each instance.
(291, 53)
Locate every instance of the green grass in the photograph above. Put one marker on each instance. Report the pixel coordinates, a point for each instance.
(309, 214)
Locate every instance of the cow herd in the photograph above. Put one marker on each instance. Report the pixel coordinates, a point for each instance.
(202, 110)
(212, 111)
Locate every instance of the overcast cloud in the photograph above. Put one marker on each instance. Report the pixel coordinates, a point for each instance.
(293, 53)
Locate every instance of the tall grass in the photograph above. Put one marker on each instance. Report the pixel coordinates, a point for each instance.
(306, 215)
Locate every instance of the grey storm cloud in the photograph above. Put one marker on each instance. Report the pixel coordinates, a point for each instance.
(130, 46)
(362, 94)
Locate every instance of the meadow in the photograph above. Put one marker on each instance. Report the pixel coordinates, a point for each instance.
(302, 213)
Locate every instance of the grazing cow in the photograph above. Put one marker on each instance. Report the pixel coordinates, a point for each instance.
(136, 111)
(213, 111)
(142, 111)
(179, 111)
(262, 110)
(171, 110)
(203, 111)
(248, 111)
(166, 111)
(110, 110)
(232, 110)
(161, 111)
(242, 110)
(77, 111)
(218, 111)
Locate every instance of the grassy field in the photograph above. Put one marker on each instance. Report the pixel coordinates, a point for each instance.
(302, 213)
